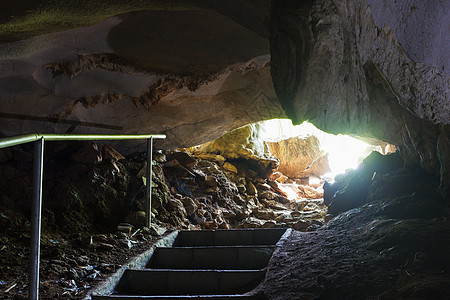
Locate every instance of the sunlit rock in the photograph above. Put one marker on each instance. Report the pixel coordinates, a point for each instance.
(332, 65)
(243, 144)
(351, 189)
(230, 167)
(300, 157)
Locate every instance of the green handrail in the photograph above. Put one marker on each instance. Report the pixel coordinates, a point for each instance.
(38, 160)
(23, 139)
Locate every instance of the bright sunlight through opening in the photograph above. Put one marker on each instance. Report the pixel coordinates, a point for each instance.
(344, 152)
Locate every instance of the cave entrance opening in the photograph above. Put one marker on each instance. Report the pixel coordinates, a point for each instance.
(342, 152)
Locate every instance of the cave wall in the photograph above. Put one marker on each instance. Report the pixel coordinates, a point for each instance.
(195, 71)
(421, 27)
(333, 66)
(190, 74)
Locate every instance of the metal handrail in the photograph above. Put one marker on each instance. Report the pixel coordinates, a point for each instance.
(23, 139)
(38, 161)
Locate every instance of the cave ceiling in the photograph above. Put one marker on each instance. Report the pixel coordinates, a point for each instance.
(195, 70)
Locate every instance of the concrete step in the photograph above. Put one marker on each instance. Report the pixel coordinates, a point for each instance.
(222, 257)
(231, 237)
(188, 282)
(183, 297)
(204, 264)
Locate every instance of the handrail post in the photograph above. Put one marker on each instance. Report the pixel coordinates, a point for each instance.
(38, 162)
(148, 198)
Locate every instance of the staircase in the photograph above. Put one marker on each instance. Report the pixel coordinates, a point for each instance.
(206, 264)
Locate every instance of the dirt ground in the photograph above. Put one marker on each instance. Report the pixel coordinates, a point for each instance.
(71, 263)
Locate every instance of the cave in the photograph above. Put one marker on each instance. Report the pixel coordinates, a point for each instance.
(210, 77)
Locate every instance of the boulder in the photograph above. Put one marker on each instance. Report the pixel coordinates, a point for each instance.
(189, 205)
(244, 144)
(136, 218)
(351, 189)
(230, 167)
(88, 154)
(219, 159)
(251, 189)
(300, 157)
(109, 152)
(278, 177)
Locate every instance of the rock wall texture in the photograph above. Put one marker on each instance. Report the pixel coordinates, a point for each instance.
(245, 144)
(396, 247)
(197, 72)
(300, 157)
(421, 27)
(191, 74)
(332, 65)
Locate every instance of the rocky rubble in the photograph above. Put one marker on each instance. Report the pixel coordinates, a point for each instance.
(93, 207)
(98, 189)
(94, 200)
(220, 196)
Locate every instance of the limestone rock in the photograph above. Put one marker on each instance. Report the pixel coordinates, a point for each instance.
(136, 218)
(175, 204)
(252, 223)
(109, 152)
(357, 81)
(88, 154)
(193, 92)
(300, 157)
(330, 61)
(301, 225)
(251, 189)
(278, 176)
(243, 143)
(310, 192)
(219, 159)
(263, 186)
(157, 230)
(211, 181)
(181, 158)
(159, 156)
(189, 205)
(418, 26)
(268, 195)
(264, 214)
(230, 167)
(351, 189)
(269, 224)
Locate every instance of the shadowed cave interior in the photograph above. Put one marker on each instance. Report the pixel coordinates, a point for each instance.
(365, 81)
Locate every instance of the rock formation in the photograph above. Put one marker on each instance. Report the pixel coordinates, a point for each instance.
(333, 66)
(194, 83)
(197, 69)
(300, 157)
(394, 247)
(331, 63)
(244, 144)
